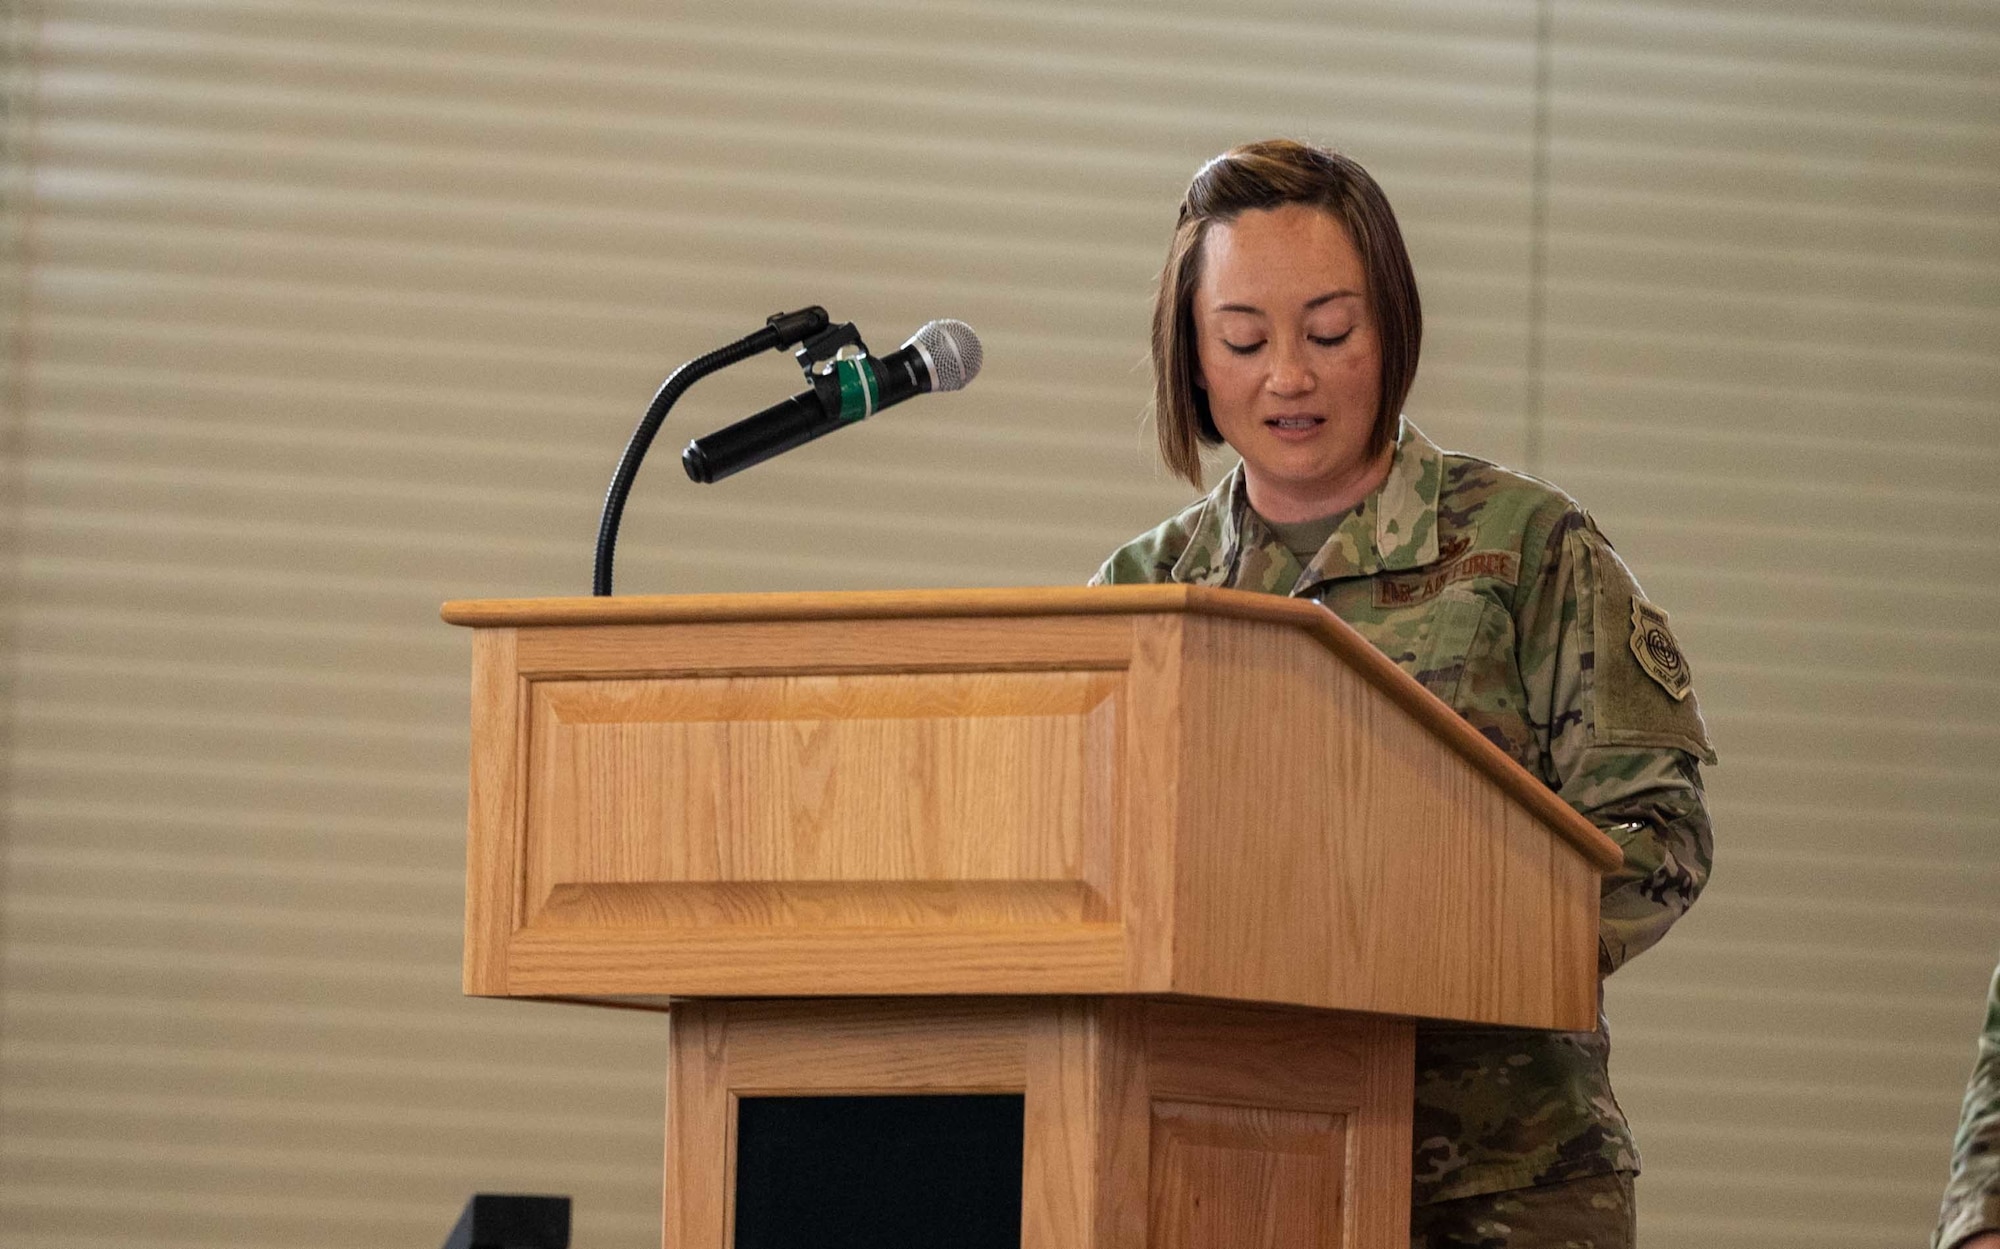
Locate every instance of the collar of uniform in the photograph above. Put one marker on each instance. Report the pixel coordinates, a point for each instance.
(1215, 536)
(1395, 528)
(1232, 547)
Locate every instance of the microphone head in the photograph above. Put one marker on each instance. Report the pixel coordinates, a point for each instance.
(951, 352)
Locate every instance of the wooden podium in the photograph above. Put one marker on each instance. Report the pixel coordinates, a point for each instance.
(1178, 867)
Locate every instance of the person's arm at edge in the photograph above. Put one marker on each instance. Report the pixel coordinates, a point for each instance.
(1970, 1217)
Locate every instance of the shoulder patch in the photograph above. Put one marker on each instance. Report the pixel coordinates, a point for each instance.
(1641, 688)
(1658, 654)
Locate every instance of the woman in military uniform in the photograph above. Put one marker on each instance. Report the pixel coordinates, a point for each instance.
(1287, 325)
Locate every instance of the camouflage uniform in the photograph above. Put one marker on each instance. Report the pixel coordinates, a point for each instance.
(1972, 1199)
(1593, 1213)
(1498, 593)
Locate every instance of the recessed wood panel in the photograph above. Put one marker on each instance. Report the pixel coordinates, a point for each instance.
(909, 777)
(1245, 1177)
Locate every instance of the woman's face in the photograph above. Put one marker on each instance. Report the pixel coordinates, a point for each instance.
(1290, 359)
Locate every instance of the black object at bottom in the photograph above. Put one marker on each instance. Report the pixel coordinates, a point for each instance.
(507, 1221)
(902, 1172)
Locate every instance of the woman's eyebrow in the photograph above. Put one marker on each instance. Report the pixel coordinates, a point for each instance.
(1314, 302)
(1330, 296)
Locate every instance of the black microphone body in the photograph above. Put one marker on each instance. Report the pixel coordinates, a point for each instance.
(754, 439)
(853, 391)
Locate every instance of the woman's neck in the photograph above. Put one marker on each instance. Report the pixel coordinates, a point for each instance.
(1288, 502)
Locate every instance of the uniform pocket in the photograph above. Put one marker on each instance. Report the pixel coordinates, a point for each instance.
(1453, 632)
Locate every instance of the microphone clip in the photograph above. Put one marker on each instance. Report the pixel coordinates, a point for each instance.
(821, 349)
(838, 368)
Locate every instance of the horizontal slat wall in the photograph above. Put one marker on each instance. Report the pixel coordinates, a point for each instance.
(339, 310)
(1773, 369)
(334, 311)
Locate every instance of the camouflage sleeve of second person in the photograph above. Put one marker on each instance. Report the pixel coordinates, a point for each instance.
(1613, 711)
(1972, 1197)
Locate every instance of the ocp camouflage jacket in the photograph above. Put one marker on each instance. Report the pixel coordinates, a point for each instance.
(1972, 1199)
(1499, 594)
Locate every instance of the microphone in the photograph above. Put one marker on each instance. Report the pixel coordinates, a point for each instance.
(943, 355)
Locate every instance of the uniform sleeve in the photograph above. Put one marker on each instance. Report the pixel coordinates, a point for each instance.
(1125, 567)
(1622, 739)
(1149, 559)
(1972, 1198)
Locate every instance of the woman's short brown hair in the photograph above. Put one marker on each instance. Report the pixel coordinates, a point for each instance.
(1263, 175)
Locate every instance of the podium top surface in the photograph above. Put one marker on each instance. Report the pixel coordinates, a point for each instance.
(832, 606)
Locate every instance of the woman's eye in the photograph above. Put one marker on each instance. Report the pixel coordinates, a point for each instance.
(1334, 341)
(1243, 349)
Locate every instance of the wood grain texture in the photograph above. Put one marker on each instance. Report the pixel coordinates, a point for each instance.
(1246, 1177)
(1258, 1057)
(1122, 1195)
(1325, 1072)
(943, 644)
(1150, 798)
(794, 961)
(863, 777)
(971, 1045)
(701, 1129)
(1054, 602)
(1355, 652)
(1380, 1133)
(815, 606)
(1574, 905)
(1199, 803)
(493, 800)
(1059, 1169)
(1334, 852)
(817, 904)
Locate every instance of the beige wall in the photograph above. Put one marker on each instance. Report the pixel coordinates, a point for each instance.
(326, 312)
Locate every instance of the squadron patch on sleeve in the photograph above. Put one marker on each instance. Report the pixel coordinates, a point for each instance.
(1641, 692)
(1658, 654)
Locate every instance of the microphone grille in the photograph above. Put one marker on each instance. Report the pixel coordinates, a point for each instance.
(951, 350)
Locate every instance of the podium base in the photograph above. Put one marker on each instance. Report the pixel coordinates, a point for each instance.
(1145, 1123)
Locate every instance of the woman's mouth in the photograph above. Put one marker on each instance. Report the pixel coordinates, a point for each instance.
(1286, 424)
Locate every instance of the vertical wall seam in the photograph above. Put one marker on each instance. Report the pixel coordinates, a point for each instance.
(19, 77)
(1538, 222)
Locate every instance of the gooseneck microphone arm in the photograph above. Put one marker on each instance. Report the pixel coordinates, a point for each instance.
(784, 329)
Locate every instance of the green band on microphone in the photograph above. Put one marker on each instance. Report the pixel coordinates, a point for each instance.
(857, 388)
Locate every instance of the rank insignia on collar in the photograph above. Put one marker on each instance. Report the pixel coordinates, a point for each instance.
(1653, 643)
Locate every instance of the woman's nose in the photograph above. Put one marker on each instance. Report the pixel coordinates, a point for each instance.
(1289, 373)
